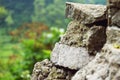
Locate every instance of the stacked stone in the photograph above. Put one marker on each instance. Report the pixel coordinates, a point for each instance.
(106, 64)
(89, 50)
(85, 35)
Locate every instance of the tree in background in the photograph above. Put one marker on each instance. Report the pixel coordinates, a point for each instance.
(3, 14)
(20, 11)
(51, 12)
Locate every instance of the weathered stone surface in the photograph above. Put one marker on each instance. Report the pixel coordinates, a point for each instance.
(105, 66)
(72, 52)
(85, 13)
(75, 34)
(116, 19)
(113, 35)
(95, 70)
(60, 73)
(70, 57)
(96, 38)
(79, 35)
(45, 70)
(114, 12)
(41, 70)
(114, 3)
(112, 54)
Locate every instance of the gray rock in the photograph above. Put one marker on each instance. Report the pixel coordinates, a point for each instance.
(85, 13)
(70, 57)
(41, 70)
(105, 66)
(46, 70)
(115, 3)
(58, 73)
(79, 35)
(72, 51)
(114, 12)
(97, 69)
(113, 35)
(116, 19)
(112, 54)
(75, 34)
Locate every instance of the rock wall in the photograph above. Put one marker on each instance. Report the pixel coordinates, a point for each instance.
(89, 50)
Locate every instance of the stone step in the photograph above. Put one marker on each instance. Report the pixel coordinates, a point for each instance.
(85, 13)
(70, 57)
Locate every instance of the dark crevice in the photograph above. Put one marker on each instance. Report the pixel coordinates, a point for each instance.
(67, 69)
(99, 23)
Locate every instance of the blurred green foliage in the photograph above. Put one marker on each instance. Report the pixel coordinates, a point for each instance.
(28, 32)
(28, 49)
(3, 12)
(9, 20)
(40, 48)
(53, 12)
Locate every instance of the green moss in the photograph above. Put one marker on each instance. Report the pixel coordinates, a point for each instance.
(117, 46)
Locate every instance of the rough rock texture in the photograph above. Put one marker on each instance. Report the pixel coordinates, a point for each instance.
(80, 35)
(70, 57)
(45, 70)
(78, 42)
(41, 70)
(116, 19)
(113, 35)
(114, 12)
(115, 3)
(105, 66)
(75, 34)
(85, 13)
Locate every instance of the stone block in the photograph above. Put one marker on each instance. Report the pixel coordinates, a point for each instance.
(70, 57)
(79, 35)
(85, 13)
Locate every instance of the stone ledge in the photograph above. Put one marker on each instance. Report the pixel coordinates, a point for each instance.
(85, 13)
(70, 57)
